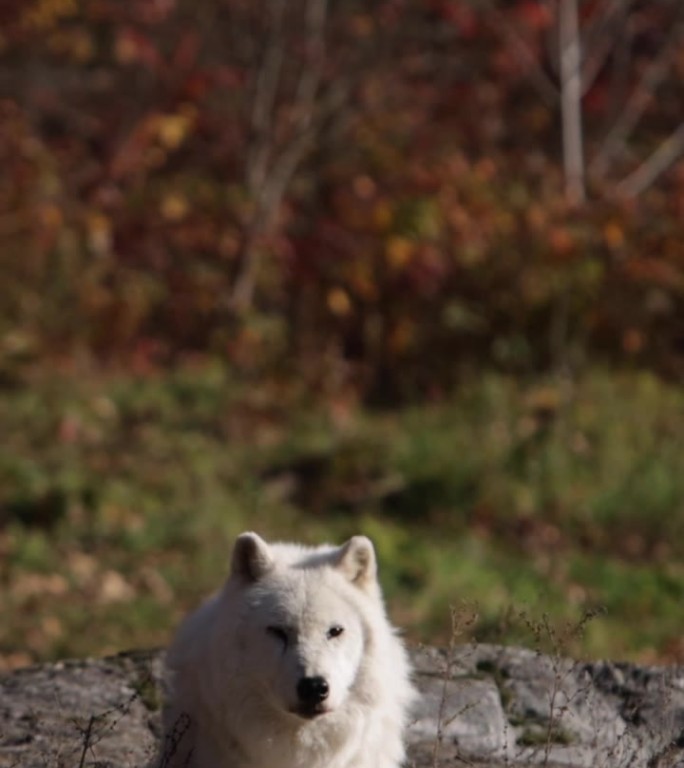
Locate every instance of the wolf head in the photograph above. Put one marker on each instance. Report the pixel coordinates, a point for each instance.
(301, 621)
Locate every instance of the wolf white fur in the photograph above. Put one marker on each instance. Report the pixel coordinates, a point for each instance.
(293, 664)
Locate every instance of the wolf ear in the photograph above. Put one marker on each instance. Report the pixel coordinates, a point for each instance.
(252, 557)
(356, 560)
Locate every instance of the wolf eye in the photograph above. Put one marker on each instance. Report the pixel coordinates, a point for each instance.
(335, 631)
(279, 633)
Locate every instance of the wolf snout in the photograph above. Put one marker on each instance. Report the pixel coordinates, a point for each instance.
(312, 693)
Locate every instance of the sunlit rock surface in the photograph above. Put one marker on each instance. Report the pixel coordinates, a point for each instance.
(481, 706)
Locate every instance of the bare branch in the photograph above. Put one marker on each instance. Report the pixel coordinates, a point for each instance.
(637, 104)
(601, 39)
(271, 168)
(571, 100)
(660, 161)
(619, 76)
(265, 92)
(542, 82)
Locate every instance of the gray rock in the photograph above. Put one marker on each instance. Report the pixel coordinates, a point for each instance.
(480, 705)
(100, 713)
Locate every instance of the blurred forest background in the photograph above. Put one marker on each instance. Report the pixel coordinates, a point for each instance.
(314, 267)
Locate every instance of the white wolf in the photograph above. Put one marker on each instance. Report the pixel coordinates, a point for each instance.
(293, 664)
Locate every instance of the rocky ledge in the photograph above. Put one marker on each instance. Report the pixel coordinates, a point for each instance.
(481, 705)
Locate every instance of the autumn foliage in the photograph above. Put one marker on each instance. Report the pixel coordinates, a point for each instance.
(369, 195)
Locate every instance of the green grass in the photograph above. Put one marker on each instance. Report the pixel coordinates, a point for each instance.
(120, 496)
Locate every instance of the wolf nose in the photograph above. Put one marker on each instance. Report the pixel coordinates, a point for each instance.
(313, 690)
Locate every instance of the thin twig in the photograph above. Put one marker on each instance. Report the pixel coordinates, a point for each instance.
(86, 741)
